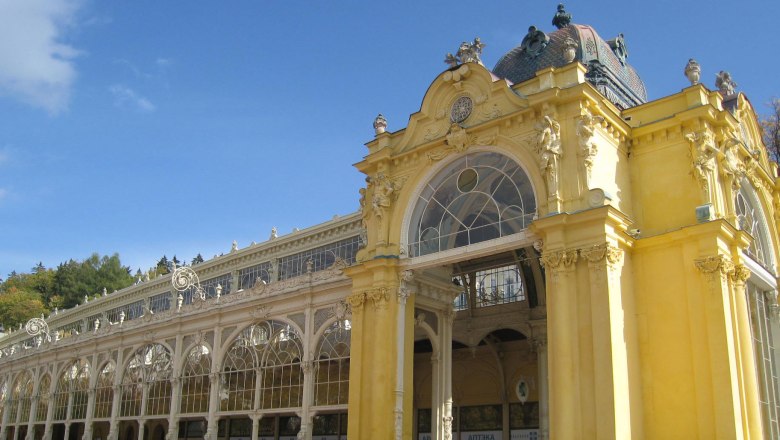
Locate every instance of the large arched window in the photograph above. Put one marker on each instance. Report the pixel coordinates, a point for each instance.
(267, 356)
(43, 400)
(751, 219)
(72, 388)
(104, 391)
(195, 380)
(150, 367)
(20, 398)
(332, 365)
(281, 383)
(478, 197)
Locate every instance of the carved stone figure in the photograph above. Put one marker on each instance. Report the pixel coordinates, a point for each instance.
(383, 191)
(179, 302)
(703, 154)
(534, 42)
(561, 18)
(618, 45)
(586, 127)
(693, 71)
(274, 233)
(234, 246)
(380, 124)
(467, 53)
(724, 83)
(549, 149)
(731, 165)
(569, 49)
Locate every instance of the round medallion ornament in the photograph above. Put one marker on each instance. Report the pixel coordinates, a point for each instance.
(461, 109)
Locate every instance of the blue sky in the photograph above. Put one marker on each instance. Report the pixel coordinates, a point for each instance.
(174, 127)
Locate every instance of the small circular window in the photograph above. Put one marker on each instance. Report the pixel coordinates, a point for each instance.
(461, 109)
(467, 180)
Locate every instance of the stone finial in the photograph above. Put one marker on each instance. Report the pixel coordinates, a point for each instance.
(693, 71)
(234, 246)
(86, 299)
(274, 233)
(380, 124)
(561, 18)
(105, 292)
(467, 53)
(724, 83)
(569, 49)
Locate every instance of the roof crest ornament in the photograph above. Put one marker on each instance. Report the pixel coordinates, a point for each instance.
(467, 53)
(561, 18)
(693, 71)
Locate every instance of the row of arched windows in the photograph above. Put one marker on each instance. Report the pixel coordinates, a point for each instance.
(262, 369)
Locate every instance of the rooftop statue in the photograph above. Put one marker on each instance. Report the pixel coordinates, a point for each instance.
(724, 83)
(534, 42)
(467, 53)
(561, 18)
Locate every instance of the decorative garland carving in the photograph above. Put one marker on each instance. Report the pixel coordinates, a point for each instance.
(715, 265)
(556, 260)
(356, 300)
(600, 252)
(378, 296)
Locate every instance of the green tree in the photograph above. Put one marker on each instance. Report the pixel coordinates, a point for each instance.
(770, 125)
(163, 266)
(18, 306)
(198, 259)
(74, 280)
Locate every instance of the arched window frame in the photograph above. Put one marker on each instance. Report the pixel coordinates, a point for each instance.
(21, 393)
(70, 397)
(262, 368)
(331, 364)
(104, 391)
(752, 219)
(151, 366)
(195, 383)
(512, 179)
(44, 392)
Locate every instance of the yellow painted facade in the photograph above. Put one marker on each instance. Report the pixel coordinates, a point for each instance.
(646, 318)
(541, 253)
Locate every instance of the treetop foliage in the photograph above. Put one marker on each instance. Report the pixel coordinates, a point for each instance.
(27, 295)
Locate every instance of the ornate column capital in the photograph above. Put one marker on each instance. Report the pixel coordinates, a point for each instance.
(603, 252)
(214, 377)
(356, 300)
(378, 296)
(559, 260)
(740, 274)
(715, 265)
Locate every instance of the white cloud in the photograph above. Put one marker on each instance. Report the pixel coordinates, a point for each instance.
(126, 97)
(35, 65)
